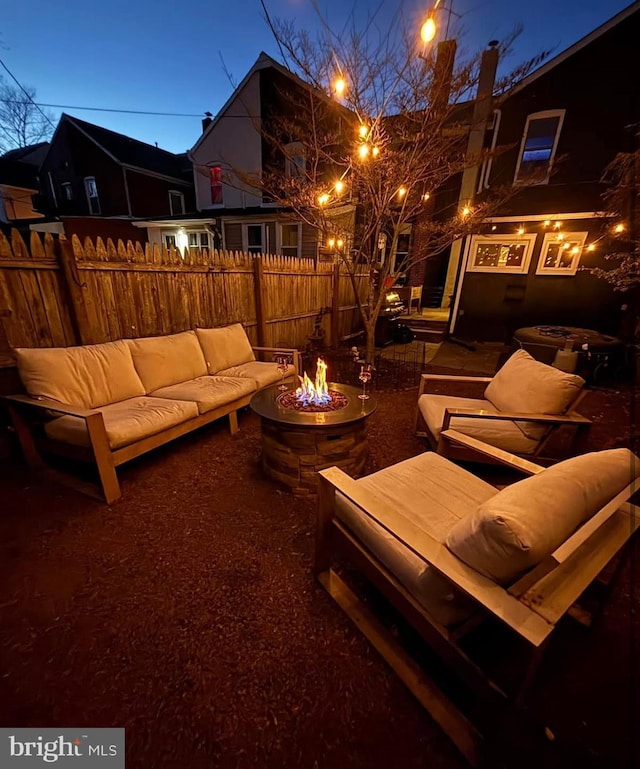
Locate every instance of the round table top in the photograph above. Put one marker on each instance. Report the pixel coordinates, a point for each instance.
(556, 336)
(265, 404)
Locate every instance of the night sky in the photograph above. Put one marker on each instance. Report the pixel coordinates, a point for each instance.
(171, 57)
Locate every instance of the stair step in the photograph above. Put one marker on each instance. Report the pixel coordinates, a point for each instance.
(433, 335)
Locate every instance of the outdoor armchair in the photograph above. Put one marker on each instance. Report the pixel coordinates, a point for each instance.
(452, 554)
(524, 405)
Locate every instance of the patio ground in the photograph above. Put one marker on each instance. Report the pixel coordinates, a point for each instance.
(187, 613)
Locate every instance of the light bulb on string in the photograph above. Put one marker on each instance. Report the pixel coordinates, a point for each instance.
(339, 86)
(363, 151)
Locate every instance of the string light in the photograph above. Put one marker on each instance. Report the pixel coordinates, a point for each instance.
(375, 152)
(331, 242)
(340, 243)
(402, 191)
(520, 230)
(363, 131)
(339, 86)
(556, 225)
(619, 228)
(339, 186)
(466, 211)
(324, 198)
(426, 196)
(591, 247)
(546, 223)
(363, 151)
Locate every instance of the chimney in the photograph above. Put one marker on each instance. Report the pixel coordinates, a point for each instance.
(442, 76)
(206, 121)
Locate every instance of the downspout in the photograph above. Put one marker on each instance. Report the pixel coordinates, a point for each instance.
(481, 111)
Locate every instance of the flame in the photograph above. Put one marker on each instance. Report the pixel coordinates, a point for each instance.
(315, 393)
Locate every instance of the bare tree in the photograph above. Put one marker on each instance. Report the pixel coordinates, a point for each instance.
(364, 158)
(22, 122)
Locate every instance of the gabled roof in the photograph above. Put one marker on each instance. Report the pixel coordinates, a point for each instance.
(579, 45)
(33, 154)
(264, 61)
(133, 153)
(16, 173)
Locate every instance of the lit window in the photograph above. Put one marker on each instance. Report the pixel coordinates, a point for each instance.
(538, 147)
(215, 178)
(500, 253)
(289, 239)
(176, 202)
(67, 191)
(198, 239)
(561, 256)
(92, 195)
(295, 160)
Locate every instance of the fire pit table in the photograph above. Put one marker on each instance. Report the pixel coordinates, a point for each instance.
(297, 443)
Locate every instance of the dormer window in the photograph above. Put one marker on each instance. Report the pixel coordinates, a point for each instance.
(91, 190)
(176, 202)
(538, 147)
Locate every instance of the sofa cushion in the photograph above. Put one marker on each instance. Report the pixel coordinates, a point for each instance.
(434, 494)
(261, 373)
(126, 421)
(208, 392)
(525, 385)
(87, 376)
(524, 523)
(503, 434)
(225, 347)
(166, 360)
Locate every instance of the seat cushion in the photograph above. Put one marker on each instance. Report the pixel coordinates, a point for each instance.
(89, 376)
(125, 422)
(525, 385)
(503, 434)
(166, 360)
(208, 392)
(434, 494)
(524, 523)
(261, 373)
(225, 347)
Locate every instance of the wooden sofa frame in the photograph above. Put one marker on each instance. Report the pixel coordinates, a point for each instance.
(22, 407)
(455, 450)
(531, 607)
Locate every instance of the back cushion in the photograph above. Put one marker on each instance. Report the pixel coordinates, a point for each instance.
(166, 360)
(524, 384)
(524, 523)
(88, 376)
(225, 347)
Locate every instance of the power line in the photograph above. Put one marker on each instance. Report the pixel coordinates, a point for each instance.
(128, 111)
(26, 93)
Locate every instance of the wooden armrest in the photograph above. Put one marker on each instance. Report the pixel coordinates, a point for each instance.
(51, 405)
(485, 591)
(424, 378)
(502, 456)
(513, 416)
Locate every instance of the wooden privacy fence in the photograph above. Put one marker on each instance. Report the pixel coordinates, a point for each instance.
(59, 292)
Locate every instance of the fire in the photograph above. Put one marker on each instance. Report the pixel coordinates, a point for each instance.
(315, 393)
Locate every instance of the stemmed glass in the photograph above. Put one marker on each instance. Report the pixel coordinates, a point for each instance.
(283, 368)
(364, 376)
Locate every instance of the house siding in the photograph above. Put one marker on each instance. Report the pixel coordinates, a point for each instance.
(596, 88)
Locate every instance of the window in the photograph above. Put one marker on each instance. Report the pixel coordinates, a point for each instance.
(295, 162)
(289, 239)
(215, 179)
(67, 191)
(500, 253)
(92, 194)
(169, 241)
(402, 250)
(560, 253)
(538, 147)
(176, 202)
(254, 238)
(198, 239)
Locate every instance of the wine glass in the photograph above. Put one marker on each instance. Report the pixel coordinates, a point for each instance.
(364, 376)
(283, 368)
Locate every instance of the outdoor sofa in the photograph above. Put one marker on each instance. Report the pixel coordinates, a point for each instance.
(112, 402)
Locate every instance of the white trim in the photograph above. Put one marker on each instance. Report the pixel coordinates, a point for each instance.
(543, 115)
(453, 314)
(245, 237)
(576, 238)
(544, 217)
(527, 240)
(487, 165)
